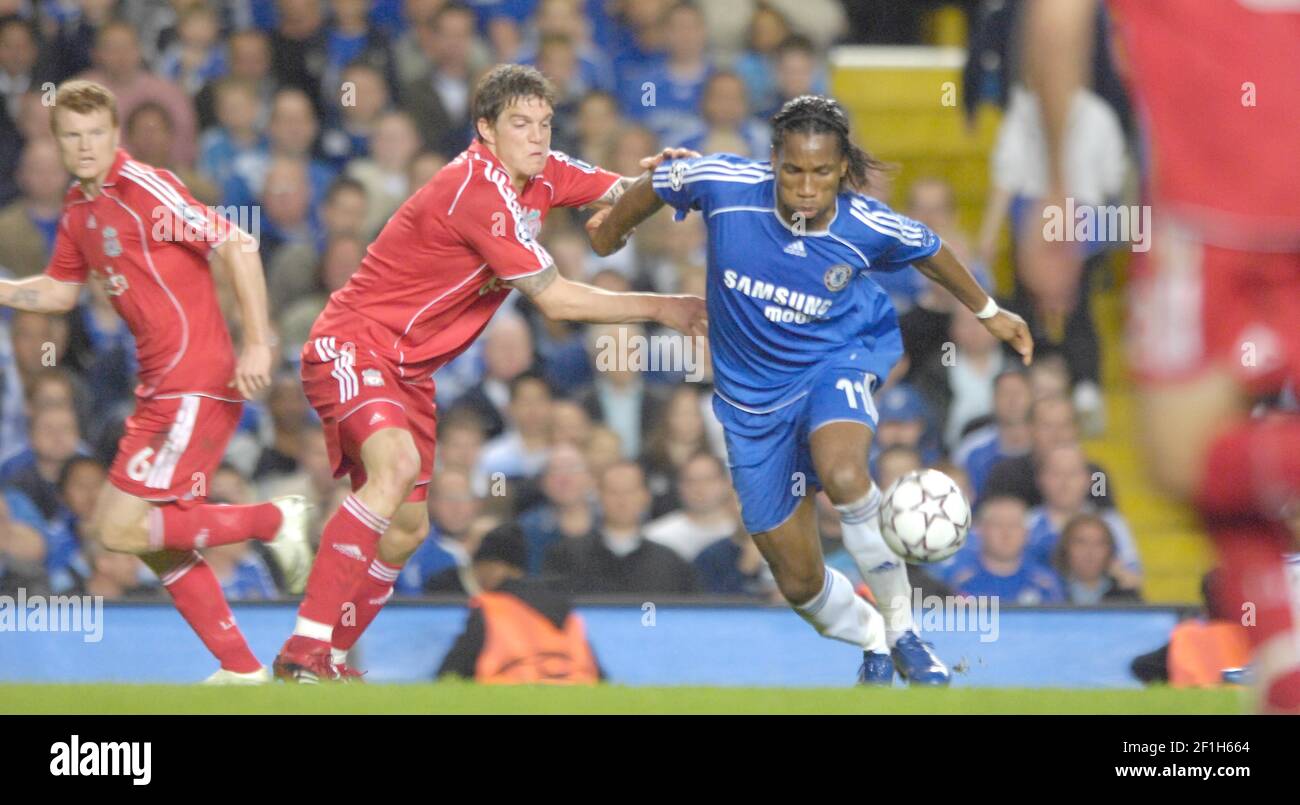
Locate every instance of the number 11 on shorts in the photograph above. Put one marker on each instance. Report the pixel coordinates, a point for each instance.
(850, 386)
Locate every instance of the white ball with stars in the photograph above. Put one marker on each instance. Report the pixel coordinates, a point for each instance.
(924, 517)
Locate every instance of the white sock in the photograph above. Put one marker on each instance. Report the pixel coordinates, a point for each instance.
(338, 656)
(883, 571)
(841, 614)
(306, 627)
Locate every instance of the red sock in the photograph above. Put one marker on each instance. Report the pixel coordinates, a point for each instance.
(208, 525)
(368, 598)
(1253, 469)
(197, 594)
(347, 548)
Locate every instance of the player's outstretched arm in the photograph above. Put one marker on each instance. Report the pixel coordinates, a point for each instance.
(41, 294)
(256, 360)
(610, 228)
(944, 268)
(565, 300)
(615, 192)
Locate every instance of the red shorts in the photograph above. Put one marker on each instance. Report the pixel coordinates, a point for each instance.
(357, 393)
(172, 446)
(1194, 306)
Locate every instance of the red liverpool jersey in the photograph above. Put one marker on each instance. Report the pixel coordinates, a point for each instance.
(148, 241)
(1216, 84)
(429, 283)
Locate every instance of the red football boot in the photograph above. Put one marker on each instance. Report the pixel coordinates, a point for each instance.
(304, 661)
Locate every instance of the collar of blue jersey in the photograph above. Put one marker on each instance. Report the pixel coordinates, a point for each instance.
(820, 233)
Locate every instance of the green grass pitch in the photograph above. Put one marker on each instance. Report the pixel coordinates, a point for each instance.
(464, 698)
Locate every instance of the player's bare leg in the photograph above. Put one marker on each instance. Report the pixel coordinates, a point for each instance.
(1174, 420)
(1204, 448)
(118, 522)
(822, 595)
(348, 547)
(125, 523)
(129, 524)
(121, 521)
(408, 529)
(839, 453)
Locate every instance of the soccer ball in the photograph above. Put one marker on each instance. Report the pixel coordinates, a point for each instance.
(924, 517)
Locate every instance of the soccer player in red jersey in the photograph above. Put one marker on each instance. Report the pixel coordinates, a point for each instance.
(149, 243)
(1215, 304)
(427, 287)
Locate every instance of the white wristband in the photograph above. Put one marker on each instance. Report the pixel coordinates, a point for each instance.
(990, 310)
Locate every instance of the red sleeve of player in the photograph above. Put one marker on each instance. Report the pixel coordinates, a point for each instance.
(181, 219)
(576, 183)
(66, 264)
(491, 222)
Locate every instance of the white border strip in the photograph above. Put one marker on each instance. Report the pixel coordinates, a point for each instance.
(897, 56)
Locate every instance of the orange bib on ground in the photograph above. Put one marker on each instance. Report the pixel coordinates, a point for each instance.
(523, 647)
(1199, 651)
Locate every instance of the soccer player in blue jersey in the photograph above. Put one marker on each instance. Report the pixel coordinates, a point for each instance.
(801, 335)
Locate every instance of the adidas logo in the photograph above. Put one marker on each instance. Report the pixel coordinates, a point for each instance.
(351, 551)
(378, 417)
(796, 248)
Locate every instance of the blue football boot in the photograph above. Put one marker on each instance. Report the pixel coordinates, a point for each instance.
(1238, 676)
(877, 669)
(917, 663)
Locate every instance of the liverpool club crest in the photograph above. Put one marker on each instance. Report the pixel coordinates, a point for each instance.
(112, 246)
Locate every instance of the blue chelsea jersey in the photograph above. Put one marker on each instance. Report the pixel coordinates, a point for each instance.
(782, 304)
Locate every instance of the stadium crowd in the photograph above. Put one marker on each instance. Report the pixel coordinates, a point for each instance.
(310, 122)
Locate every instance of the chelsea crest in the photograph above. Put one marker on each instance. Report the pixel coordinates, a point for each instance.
(837, 276)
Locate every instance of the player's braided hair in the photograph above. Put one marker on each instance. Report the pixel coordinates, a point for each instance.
(818, 114)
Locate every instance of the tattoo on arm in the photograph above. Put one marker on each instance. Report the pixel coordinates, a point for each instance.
(20, 298)
(616, 192)
(534, 284)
